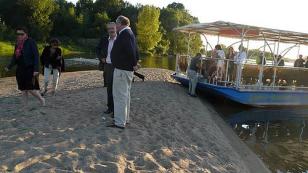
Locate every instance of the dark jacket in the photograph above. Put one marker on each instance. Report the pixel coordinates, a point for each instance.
(30, 55)
(299, 63)
(102, 48)
(281, 62)
(124, 54)
(48, 59)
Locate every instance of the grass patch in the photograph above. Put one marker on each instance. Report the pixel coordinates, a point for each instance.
(7, 48)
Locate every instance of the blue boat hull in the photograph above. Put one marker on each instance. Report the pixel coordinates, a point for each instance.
(253, 98)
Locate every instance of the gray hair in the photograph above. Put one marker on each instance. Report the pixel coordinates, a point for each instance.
(111, 23)
(123, 20)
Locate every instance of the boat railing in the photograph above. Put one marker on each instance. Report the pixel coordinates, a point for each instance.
(246, 76)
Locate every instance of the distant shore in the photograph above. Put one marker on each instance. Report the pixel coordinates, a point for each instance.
(169, 132)
(7, 49)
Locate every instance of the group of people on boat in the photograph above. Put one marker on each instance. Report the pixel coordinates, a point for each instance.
(118, 54)
(300, 62)
(215, 69)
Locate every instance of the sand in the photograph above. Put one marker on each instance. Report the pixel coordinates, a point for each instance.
(169, 131)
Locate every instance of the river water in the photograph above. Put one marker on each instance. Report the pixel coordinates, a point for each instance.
(278, 136)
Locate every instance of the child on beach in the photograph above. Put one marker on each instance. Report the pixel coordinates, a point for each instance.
(53, 63)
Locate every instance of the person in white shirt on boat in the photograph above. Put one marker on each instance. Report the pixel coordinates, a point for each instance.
(240, 59)
(192, 74)
(219, 54)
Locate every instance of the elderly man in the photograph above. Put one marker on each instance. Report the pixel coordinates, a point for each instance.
(124, 59)
(104, 54)
(240, 59)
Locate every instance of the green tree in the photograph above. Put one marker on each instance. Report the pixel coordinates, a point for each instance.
(148, 28)
(176, 15)
(100, 21)
(112, 7)
(66, 22)
(131, 11)
(39, 17)
(163, 45)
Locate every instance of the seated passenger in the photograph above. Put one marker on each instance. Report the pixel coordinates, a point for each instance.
(260, 59)
(299, 62)
(280, 61)
(306, 64)
(192, 74)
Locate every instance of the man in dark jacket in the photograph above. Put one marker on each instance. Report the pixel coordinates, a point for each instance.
(104, 55)
(124, 58)
(101, 51)
(299, 62)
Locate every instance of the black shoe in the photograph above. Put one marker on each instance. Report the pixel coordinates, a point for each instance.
(108, 111)
(115, 126)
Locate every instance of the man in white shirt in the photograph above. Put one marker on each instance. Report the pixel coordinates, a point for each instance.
(240, 59)
(104, 51)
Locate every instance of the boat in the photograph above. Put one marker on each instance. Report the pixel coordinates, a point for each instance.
(263, 85)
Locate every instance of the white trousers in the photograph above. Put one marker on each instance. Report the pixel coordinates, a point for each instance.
(55, 78)
(239, 69)
(122, 82)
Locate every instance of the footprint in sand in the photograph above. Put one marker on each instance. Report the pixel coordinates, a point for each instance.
(32, 109)
(43, 113)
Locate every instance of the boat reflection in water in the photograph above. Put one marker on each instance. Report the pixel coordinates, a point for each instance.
(278, 136)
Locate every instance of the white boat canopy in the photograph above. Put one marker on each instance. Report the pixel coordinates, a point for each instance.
(233, 30)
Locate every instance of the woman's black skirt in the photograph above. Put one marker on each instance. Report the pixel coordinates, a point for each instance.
(25, 78)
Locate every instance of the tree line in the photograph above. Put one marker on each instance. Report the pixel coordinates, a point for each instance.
(87, 19)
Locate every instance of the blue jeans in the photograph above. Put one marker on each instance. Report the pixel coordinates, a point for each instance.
(193, 81)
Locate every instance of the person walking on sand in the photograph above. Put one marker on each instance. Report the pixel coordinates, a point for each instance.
(53, 62)
(192, 74)
(104, 53)
(124, 58)
(26, 57)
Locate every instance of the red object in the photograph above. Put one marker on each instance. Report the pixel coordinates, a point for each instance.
(19, 47)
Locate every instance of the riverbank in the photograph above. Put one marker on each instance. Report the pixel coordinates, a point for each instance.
(7, 48)
(169, 132)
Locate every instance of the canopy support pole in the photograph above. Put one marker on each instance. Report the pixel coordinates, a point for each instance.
(239, 65)
(261, 70)
(208, 43)
(298, 51)
(188, 45)
(275, 63)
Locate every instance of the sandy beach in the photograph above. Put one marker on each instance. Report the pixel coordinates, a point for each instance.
(169, 131)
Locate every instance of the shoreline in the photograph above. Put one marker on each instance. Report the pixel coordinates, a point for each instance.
(166, 134)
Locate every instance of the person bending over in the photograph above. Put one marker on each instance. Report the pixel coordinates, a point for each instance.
(192, 74)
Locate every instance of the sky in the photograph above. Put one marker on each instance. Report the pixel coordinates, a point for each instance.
(278, 14)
